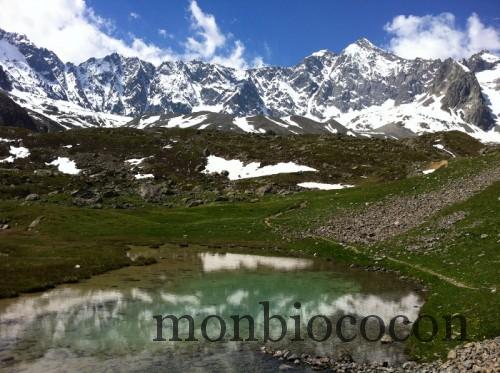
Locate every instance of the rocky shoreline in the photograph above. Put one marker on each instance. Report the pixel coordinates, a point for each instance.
(474, 357)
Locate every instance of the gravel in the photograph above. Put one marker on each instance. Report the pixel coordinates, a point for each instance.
(471, 357)
(396, 215)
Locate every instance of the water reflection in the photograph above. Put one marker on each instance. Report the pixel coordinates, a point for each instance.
(220, 262)
(93, 322)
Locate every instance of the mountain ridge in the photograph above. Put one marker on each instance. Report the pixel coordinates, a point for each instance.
(349, 87)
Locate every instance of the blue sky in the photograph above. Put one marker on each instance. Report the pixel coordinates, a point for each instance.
(284, 31)
(249, 33)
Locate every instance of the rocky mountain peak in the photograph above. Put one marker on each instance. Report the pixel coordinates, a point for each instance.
(362, 46)
(348, 87)
(323, 53)
(481, 61)
(365, 43)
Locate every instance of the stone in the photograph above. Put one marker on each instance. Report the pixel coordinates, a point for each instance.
(278, 353)
(151, 192)
(93, 202)
(194, 203)
(221, 198)
(386, 338)
(35, 222)
(264, 190)
(110, 194)
(44, 173)
(32, 197)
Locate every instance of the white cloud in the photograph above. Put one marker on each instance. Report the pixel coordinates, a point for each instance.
(210, 43)
(207, 29)
(72, 30)
(75, 33)
(234, 59)
(258, 62)
(134, 15)
(438, 36)
(164, 33)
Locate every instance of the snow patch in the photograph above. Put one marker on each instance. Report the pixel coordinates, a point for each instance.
(488, 80)
(242, 122)
(212, 108)
(65, 165)
(16, 152)
(143, 176)
(465, 68)
(290, 121)
(323, 186)
(9, 52)
(441, 147)
(488, 57)
(185, 121)
(238, 170)
(150, 120)
(320, 53)
(136, 161)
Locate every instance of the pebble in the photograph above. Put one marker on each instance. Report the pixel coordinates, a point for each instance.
(474, 356)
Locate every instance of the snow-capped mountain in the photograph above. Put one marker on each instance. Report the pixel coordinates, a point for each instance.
(364, 88)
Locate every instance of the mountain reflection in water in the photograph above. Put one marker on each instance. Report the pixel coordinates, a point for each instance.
(109, 319)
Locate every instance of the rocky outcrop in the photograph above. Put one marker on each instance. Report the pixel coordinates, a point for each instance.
(462, 93)
(4, 81)
(13, 115)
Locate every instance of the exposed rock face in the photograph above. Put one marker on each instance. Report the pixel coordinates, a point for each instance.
(462, 92)
(13, 115)
(477, 63)
(4, 80)
(323, 86)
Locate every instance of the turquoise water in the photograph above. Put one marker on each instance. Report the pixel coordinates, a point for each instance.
(106, 323)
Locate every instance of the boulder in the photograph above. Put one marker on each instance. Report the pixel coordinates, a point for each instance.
(194, 203)
(32, 197)
(265, 189)
(35, 222)
(151, 192)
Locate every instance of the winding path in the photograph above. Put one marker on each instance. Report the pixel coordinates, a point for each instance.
(449, 280)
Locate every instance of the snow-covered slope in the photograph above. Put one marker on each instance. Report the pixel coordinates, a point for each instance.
(249, 124)
(363, 87)
(487, 70)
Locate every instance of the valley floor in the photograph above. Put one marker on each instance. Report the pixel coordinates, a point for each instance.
(452, 249)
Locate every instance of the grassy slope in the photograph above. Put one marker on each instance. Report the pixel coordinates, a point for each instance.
(176, 156)
(96, 240)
